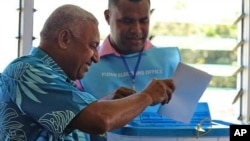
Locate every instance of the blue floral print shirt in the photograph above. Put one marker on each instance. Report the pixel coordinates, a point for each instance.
(38, 100)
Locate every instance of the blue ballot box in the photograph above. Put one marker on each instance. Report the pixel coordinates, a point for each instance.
(152, 126)
(153, 119)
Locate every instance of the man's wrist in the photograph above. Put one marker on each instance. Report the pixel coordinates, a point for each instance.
(148, 98)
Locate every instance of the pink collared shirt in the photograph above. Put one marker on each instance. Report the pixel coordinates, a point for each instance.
(106, 47)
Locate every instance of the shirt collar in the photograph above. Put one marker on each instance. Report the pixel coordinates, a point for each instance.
(106, 48)
(47, 60)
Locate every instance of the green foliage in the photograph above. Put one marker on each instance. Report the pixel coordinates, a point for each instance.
(208, 57)
(223, 82)
(187, 29)
(203, 56)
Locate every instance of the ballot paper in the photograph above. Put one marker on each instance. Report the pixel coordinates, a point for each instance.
(190, 84)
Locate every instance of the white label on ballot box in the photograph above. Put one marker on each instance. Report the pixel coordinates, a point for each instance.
(190, 85)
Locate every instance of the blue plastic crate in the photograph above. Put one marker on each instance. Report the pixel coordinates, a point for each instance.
(153, 119)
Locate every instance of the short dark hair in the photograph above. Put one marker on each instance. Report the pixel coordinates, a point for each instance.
(115, 2)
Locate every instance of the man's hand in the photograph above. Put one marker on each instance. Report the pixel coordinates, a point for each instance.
(123, 92)
(160, 90)
(119, 93)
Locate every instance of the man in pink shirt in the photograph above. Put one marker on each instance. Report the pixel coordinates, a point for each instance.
(127, 57)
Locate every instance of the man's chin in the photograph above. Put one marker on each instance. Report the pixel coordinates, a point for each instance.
(81, 76)
(135, 42)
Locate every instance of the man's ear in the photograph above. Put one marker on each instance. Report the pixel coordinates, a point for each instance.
(64, 37)
(107, 15)
(152, 11)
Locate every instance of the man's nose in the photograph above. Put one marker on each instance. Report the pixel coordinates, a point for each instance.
(135, 28)
(95, 57)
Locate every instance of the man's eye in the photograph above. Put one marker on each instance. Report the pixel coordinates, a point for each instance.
(93, 46)
(127, 21)
(144, 21)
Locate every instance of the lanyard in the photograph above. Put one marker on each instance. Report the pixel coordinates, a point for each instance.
(132, 75)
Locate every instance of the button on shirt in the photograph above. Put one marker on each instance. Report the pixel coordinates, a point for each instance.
(38, 101)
